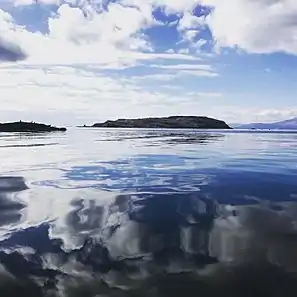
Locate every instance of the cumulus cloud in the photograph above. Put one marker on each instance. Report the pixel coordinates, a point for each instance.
(169, 6)
(189, 35)
(30, 2)
(10, 52)
(112, 37)
(117, 26)
(255, 26)
(69, 65)
(190, 21)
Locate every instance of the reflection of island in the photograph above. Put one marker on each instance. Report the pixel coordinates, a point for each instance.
(173, 122)
(28, 127)
(200, 138)
(158, 137)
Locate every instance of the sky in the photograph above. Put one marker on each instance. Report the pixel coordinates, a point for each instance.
(72, 62)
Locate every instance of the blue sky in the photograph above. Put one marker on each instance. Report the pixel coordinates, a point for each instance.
(80, 61)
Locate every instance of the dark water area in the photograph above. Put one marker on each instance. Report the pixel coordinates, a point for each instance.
(148, 213)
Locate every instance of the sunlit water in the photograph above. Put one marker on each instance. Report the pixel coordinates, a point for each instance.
(148, 213)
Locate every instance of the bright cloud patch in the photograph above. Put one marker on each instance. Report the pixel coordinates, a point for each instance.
(256, 26)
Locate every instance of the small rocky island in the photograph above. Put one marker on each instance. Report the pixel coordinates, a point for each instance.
(28, 127)
(172, 122)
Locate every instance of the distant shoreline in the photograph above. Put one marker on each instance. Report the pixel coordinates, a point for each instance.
(231, 131)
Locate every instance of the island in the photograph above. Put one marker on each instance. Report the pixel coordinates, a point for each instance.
(172, 122)
(28, 127)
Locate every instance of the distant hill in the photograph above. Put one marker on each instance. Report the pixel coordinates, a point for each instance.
(28, 127)
(290, 124)
(173, 122)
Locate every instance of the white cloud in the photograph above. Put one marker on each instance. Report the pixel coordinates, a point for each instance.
(198, 44)
(188, 69)
(73, 38)
(254, 114)
(190, 27)
(63, 80)
(30, 2)
(265, 26)
(170, 51)
(65, 93)
(272, 115)
(204, 67)
(170, 6)
(158, 77)
(205, 94)
(117, 25)
(189, 35)
(67, 67)
(190, 21)
(199, 73)
(109, 33)
(109, 38)
(10, 51)
(256, 26)
(184, 51)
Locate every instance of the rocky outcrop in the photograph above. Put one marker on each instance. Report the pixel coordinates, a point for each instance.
(173, 122)
(28, 127)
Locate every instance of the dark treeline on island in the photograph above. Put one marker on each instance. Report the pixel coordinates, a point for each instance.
(172, 122)
(28, 127)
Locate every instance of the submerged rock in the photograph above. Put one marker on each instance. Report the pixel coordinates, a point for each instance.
(28, 127)
(172, 122)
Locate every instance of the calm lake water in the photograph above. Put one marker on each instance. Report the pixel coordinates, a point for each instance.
(148, 213)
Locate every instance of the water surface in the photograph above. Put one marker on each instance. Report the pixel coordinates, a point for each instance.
(102, 212)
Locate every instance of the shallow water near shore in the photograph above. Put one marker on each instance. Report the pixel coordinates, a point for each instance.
(103, 212)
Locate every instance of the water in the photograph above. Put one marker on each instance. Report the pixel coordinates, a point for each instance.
(148, 213)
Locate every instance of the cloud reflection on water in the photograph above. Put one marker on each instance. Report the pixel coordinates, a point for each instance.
(155, 244)
(150, 225)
